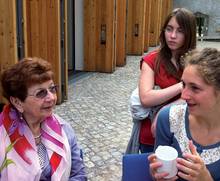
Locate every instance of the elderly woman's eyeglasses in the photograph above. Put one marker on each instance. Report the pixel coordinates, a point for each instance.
(42, 93)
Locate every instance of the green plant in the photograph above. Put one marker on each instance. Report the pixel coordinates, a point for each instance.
(6, 160)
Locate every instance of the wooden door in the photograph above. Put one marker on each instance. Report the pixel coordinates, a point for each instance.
(147, 25)
(8, 42)
(42, 32)
(99, 38)
(135, 27)
(154, 23)
(120, 32)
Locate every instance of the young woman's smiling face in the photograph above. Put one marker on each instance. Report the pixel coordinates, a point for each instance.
(201, 97)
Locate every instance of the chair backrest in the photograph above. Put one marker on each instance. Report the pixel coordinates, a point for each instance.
(135, 167)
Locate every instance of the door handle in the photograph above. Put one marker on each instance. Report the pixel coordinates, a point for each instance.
(103, 34)
(136, 29)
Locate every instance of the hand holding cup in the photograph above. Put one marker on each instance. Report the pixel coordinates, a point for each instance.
(167, 156)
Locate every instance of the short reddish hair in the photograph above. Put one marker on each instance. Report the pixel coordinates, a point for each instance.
(18, 78)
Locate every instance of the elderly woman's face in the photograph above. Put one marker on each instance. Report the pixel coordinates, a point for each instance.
(40, 100)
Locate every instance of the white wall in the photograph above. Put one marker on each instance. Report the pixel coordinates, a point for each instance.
(79, 53)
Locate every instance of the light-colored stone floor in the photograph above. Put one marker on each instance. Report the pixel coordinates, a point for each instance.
(202, 44)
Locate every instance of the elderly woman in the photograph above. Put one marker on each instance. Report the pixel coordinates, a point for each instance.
(194, 128)
(35, 143)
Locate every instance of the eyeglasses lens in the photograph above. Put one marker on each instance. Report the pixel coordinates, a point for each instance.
(43, 92)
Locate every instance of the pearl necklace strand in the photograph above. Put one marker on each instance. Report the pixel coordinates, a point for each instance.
(36, 137)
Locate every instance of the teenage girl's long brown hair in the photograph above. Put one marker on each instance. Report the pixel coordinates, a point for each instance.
(187, 23)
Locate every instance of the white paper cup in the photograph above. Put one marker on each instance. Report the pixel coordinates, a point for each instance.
(167, 155)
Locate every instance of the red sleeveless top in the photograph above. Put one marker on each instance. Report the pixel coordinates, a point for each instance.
(163, 80)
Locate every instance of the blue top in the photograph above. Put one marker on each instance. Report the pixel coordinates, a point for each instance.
(77, 169)
(173, 130)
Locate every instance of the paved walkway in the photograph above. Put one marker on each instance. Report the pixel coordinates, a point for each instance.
(97, 108)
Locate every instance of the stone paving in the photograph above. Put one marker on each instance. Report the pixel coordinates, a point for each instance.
(97, 109)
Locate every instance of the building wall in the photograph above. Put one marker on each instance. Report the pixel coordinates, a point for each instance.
(209, 7)
(79, 54)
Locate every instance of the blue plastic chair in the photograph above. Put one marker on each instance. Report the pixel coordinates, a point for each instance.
(135, 167)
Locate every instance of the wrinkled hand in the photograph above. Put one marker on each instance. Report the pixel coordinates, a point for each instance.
(154, 165)
(193, 168)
